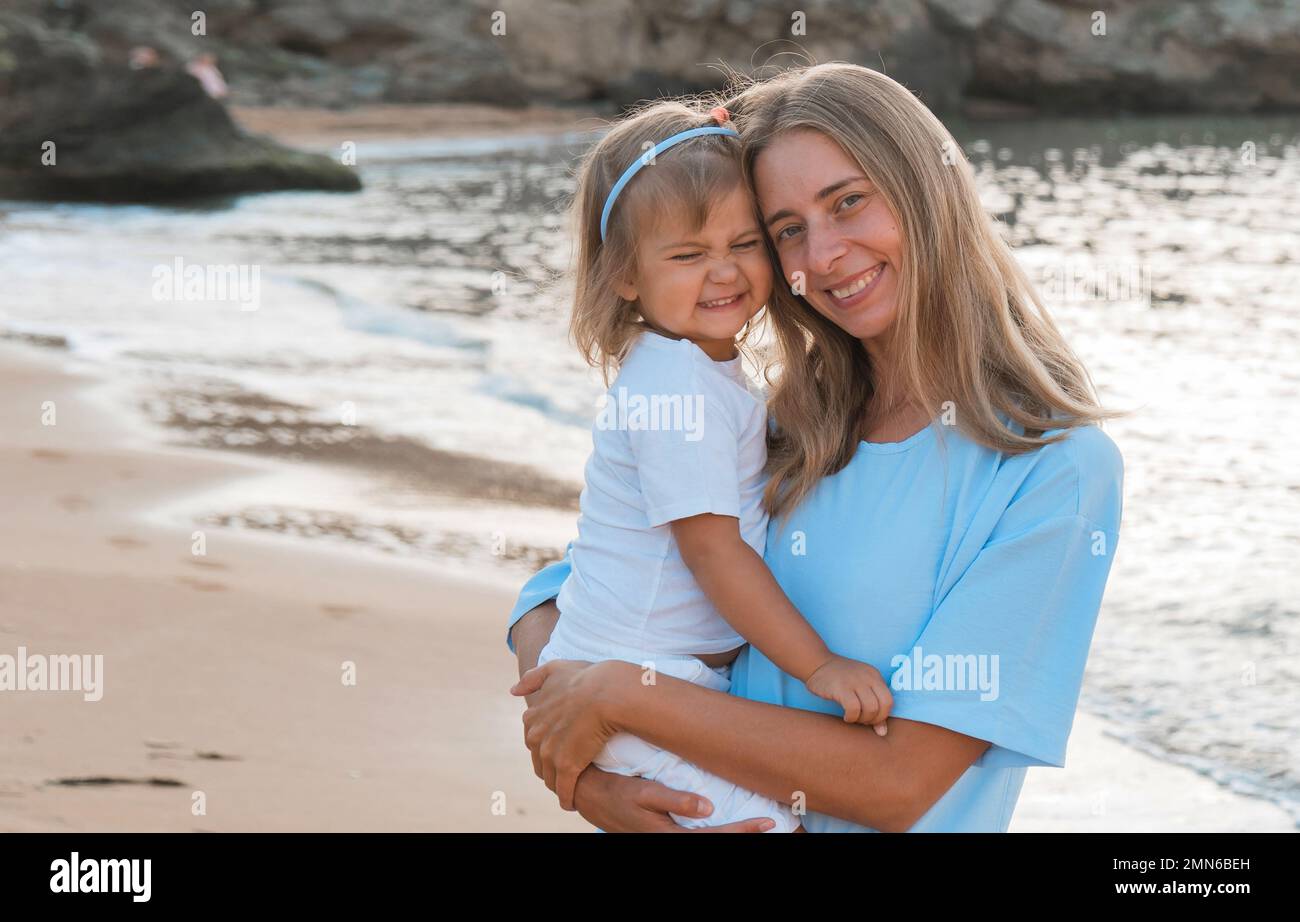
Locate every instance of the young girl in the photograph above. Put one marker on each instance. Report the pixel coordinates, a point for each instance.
(667, 570)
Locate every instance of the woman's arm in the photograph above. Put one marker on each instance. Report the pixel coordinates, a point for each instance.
(844, 770)
(886, 783)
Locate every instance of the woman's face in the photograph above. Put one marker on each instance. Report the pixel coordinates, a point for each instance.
(830, 223)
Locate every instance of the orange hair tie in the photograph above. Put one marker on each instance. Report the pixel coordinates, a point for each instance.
(720, 115)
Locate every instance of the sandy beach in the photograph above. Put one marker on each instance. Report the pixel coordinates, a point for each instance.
(224, 672)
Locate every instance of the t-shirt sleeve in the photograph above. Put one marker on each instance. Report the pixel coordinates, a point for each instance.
(542, 586)
(689, 468)
(1002, 656)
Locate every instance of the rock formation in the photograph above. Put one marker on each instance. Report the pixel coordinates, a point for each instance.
(76, 125)
(1030, 55)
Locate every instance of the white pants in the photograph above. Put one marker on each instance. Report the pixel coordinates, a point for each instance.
(626, 754)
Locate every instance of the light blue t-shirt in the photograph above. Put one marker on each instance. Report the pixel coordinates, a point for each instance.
(971, 579)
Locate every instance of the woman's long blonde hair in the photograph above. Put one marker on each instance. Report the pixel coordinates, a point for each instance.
(970, 328)
(685, 179)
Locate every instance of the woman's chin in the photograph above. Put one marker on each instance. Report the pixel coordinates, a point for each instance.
(864, 322)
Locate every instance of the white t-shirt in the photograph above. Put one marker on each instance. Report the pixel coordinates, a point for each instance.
(679, 435)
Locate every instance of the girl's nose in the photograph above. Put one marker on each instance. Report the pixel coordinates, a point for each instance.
(723, 270)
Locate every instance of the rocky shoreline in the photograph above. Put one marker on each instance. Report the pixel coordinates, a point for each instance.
(1044, 56)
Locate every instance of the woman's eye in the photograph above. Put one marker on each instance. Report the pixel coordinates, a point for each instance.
(854, 198)
(787, 232)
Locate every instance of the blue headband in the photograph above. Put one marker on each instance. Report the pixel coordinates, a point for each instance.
(648, 157)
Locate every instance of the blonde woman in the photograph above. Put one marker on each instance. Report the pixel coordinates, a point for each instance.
(943, 505)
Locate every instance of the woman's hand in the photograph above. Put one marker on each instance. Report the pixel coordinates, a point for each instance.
(617, 803)
(565, 728)
(565, 724)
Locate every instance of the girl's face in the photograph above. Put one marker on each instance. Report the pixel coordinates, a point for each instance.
(704, 284)
(829, 222)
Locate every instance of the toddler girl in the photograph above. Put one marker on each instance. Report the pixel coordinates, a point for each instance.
(667, 569)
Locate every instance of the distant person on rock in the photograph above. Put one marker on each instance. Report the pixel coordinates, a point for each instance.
(142, 56)
(204, 69)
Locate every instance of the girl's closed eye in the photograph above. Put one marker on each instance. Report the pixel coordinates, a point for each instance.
(743, 246)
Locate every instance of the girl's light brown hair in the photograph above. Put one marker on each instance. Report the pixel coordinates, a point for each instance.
(970, 328)
(684, 180)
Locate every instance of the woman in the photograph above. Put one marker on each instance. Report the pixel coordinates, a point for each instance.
(943, 505)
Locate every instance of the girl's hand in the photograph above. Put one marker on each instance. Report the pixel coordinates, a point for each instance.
(617, 803)
(565, 726)
(855, 686)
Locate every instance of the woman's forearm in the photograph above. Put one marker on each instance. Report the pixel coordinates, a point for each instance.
(844, 770)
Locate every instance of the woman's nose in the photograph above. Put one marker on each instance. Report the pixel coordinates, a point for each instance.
(825, 246)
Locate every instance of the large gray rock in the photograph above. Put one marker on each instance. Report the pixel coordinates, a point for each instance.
(1043, 55)
(1051, 55)
(76, 126)
(1216, 55)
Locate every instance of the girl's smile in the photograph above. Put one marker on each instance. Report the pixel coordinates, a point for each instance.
(724, 302)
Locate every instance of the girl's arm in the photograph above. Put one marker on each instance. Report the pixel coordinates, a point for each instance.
(747, 595)
(845, 770)
(531, 632)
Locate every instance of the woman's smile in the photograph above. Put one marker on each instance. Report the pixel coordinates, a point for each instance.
(855, 289)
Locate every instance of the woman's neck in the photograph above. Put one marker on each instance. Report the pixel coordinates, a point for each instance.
(896, 426)
(891, 414)
(886, 390)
